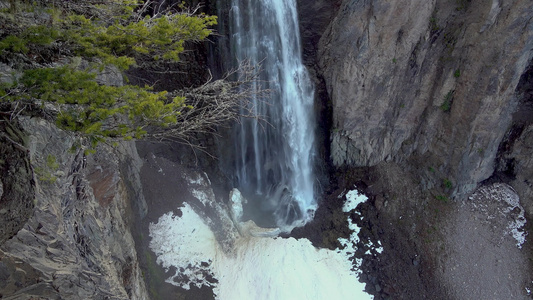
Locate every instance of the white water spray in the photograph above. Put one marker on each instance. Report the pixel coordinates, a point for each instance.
(274, 162)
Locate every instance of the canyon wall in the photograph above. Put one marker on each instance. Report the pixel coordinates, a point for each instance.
(66, 213)
(446, 83)
(76, 242)
(428, 102)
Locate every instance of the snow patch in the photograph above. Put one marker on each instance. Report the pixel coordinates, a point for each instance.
(186, 243)
(257, 268)
(200, 188)
(378, 248)
(353, 198)
(516, 225)
(199, 180)
(235, 203)
(202, 196)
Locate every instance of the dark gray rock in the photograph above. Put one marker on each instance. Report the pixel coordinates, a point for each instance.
(77, 242)
(413, 78)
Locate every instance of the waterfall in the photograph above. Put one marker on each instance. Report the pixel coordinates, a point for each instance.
(273, 163)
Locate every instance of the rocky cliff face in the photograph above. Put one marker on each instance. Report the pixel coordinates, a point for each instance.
(76, 242)
(431, 101)
(65, 214)
(437, 80)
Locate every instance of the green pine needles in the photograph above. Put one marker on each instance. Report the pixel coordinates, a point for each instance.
(125, 43)
(123, 40)
(97, 109)
(108, 35)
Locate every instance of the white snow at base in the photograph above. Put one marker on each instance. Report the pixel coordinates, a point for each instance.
(258, 268)
(353, 198)
(199, 187)
(184, 242)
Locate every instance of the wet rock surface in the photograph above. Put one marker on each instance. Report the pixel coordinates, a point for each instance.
(169, 178)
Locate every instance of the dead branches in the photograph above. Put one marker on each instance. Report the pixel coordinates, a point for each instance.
(216, 104)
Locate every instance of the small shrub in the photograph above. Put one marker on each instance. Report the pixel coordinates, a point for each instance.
(445, 107)
(46, 173)
(462, 4)
(51, 162)
(447, 183)
(433, 24)
(442, 198)
(447, 104)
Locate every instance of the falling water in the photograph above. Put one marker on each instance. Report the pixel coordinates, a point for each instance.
(274, 157)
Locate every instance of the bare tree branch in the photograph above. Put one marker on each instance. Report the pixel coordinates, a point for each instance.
(215, 104)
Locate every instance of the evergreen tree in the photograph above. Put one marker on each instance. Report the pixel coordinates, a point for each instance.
(56, 61)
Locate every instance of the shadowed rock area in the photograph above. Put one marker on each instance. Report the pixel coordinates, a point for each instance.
(17, 187)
